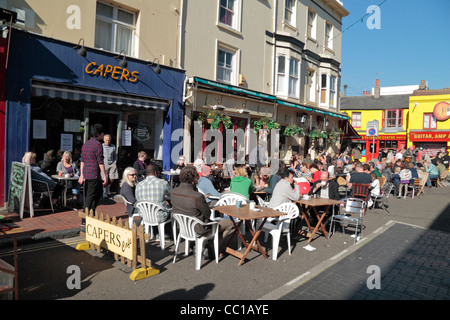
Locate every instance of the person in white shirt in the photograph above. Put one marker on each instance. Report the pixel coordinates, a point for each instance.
(375, 189)
(285, 190)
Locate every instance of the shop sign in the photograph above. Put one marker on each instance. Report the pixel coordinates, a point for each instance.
(385, 137)
(116, 72)
(109, 236)
(442, 111)
(141, 133)
(429, 136)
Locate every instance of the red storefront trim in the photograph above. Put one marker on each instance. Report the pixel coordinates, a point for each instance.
(438, 136)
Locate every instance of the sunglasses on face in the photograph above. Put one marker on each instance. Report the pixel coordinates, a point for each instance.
(133, 174)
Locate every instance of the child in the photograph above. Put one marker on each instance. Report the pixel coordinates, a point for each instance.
(395, 178)
(405, 177)
(374, 189)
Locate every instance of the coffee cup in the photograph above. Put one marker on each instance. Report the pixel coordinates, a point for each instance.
(252, 205)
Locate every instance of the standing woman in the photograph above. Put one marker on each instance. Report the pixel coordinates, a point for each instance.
(127, 188)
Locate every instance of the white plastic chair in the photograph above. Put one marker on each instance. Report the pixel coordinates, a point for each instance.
(282, 226)
(148, 211)
(355, 207)
(187, 232)
(229, 199)
(261, 202)
(130, 219)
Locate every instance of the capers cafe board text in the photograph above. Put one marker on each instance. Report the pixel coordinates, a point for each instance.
(116, 72)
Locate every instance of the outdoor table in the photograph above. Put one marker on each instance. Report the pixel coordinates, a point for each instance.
(244, 213)
(314, 203)
(14, 232)
(171, 173)
(65, 179)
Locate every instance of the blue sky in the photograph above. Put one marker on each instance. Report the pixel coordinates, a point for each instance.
(413, 44)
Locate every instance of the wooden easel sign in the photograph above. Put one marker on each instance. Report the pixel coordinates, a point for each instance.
(20, 189)
(115, 237)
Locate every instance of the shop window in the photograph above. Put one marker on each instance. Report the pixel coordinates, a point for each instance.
(115, 29)
(429, 121)
(356, 119)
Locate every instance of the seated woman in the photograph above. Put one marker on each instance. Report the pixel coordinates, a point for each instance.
(240, 183)
(315, 172)
(66, 166)
(39, 175)
(127, 188)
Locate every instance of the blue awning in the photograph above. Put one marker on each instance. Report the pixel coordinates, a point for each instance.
(63, 91)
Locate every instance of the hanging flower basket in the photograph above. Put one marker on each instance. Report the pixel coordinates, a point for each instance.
(293, 130)
(214, 119)
(265, 123)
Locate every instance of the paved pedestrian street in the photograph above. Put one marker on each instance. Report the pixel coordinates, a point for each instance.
(413, 262)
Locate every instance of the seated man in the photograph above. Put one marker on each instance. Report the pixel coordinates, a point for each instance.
(359, 176)
(186, 200)
(285, 190)
(206, 186)
(325, 188)
(304, 172)
(153, 189)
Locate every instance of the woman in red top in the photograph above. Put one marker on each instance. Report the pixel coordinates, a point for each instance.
(315, 173)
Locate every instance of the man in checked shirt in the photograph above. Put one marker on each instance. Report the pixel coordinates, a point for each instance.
(92, 168)
(153, 188)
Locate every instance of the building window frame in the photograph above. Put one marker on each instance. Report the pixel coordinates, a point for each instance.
(310, 83)
(226, 63)
(356, 119)
(392, 119)
(117, 24)
(234, 10)
(429, 121)
(329, 30)
(294, 78)
(290, 12)
(311, 24)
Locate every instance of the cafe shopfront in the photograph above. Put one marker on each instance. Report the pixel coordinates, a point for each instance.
(54, 94)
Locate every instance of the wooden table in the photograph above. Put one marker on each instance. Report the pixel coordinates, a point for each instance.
(314, 203)
(65, 179)
(14, 232)
(245, 214)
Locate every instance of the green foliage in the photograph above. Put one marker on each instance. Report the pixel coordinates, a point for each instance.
(265, 123)
(293, 130)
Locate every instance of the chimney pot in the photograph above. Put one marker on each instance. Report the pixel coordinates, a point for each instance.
(377, 83)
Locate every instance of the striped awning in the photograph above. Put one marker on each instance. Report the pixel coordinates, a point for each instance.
(63, 91)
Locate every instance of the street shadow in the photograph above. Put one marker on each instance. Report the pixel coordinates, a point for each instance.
(44, 272)
(199, 292)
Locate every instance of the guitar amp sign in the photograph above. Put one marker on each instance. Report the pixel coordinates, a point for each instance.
(442, 111)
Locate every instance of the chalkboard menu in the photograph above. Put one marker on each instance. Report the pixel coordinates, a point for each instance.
(18, 189)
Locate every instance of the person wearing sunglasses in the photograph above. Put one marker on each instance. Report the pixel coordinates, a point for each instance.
(127, 188)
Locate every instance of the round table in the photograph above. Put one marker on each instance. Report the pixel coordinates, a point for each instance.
(65, 179)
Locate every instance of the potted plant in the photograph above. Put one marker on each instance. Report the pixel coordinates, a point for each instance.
(215, 118)
(265, 123)
(323, 135)
(334, 135)
(314, 133)
(293, 130)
